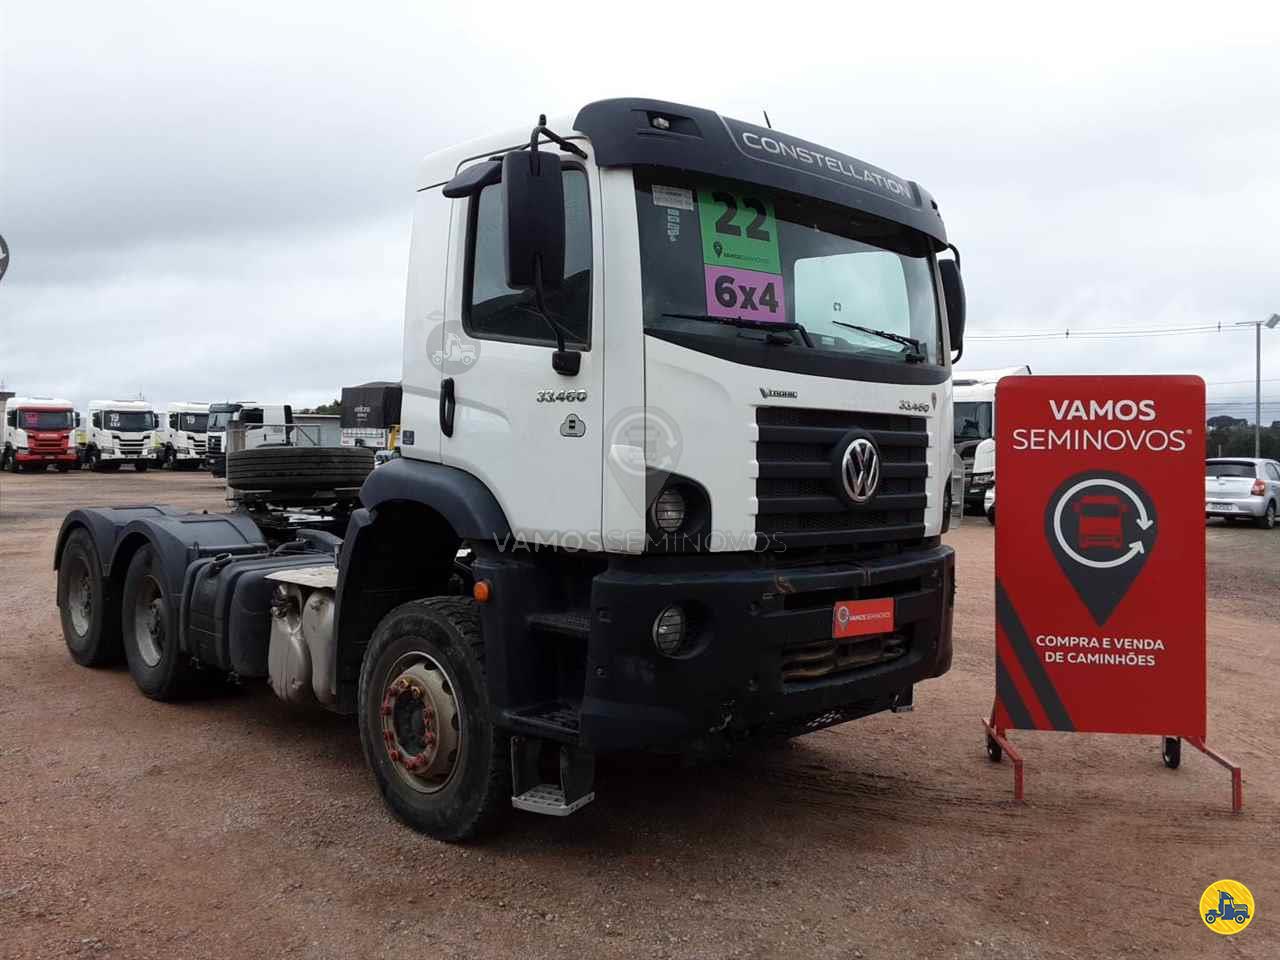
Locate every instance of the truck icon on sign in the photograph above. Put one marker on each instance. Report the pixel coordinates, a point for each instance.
(1101, 523)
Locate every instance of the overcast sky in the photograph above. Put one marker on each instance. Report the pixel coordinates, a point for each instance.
(213, 200)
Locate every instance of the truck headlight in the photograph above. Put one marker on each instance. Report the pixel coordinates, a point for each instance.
(983, 479)
(669, 510)
(669, 630)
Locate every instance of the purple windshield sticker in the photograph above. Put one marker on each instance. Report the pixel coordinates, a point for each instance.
(748, 294)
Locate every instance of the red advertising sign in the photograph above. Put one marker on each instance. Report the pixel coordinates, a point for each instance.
(1100, 557)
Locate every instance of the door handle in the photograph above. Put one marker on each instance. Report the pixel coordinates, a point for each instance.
(447, 405)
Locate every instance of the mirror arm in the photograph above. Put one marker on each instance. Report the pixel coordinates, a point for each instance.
(541, 130)
(955, 252)
(567, 363)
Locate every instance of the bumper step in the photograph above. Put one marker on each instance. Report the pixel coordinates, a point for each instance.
(571, 624)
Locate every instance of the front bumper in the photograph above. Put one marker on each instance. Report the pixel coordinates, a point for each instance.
(1242, 507)
(749, 622)
(46, 456)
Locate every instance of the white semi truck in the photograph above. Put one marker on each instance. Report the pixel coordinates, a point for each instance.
(117, 432)
(36, 433)
(687, 488)
(254, 424)
(975, 430)
(180, 441)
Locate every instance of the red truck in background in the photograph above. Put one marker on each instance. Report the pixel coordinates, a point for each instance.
(38, 432)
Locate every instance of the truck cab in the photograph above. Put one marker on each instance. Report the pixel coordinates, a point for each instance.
(180, 440)
(676, 434)
(975, 426)
(118, 432)
(38, 432)
(245, 425)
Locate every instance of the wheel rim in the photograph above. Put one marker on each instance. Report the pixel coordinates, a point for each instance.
(421, 721)
(80, 597)
(148, 622)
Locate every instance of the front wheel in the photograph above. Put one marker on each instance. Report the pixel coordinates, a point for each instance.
(424, 713)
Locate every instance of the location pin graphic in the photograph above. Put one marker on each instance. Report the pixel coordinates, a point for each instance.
(1102, 527)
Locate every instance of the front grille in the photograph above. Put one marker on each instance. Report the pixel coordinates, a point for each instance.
(130, 448)
(829, 658)
(215, 445)
(801, 503)
(47, 444)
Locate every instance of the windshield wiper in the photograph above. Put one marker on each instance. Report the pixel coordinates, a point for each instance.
(917, 354)
(748, 324)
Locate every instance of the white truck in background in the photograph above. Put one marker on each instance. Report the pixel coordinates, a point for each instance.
(974, 394)
(116, 432)
(262, 424)
(180, 441)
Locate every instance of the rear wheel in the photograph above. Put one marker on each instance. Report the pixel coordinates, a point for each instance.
(1268, 519)
(441, 765)
(93, 640)
(150, 637)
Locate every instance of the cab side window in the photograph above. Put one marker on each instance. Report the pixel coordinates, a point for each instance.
(12, 418)
(492, 310)
(251, 416)
(173, 421)
(97, 419)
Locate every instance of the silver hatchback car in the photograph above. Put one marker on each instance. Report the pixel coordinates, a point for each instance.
(1242, 488)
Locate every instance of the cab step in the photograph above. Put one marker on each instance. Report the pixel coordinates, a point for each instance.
(548, 799)
(557, 720)
(529, 793)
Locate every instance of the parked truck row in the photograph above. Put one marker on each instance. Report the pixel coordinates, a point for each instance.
(43, 432)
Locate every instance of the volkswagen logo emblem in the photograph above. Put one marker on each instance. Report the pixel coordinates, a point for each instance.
(860, 469)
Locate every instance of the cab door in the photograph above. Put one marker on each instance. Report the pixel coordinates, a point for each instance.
(532, 435)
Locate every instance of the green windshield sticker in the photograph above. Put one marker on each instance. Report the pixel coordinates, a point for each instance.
(738, 230)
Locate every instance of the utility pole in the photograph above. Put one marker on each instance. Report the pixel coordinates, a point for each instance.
(1270, 323)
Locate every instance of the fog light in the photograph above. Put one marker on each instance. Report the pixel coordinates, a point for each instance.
(668, 631)
(669, 510)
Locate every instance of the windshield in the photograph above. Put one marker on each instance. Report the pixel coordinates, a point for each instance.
(973, 420)
(218, 419)
(1236, 469)
(750, 257)
(45, 419)
(129, 421)
(193, 422)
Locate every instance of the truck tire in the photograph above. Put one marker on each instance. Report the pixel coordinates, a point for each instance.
(93, 638)
(140, 466)
(298, 468)
(149, 635)
(441, 765)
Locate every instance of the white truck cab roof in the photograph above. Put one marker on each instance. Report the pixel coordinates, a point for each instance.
(17, 403)
(121, 405)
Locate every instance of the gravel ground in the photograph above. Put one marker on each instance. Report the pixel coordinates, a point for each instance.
(239, 827)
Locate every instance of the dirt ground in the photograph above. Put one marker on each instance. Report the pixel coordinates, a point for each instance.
(239, 827)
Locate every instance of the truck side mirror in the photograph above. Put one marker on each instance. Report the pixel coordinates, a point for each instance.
(533, 192)
(953, 293)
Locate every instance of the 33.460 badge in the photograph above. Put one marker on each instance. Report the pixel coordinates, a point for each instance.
(551, 396)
